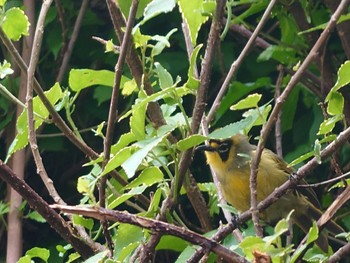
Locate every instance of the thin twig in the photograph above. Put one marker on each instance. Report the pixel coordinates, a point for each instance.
(278, 128)
(112, 115)
(280, 100)
(29, 100)
(338, 178)
(69, 50)
(235, 65)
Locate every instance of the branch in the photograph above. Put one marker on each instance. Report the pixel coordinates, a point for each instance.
(29, 100)
(113, 113)
(155, 225)
(56, 222)
(69, 50)
(340, 254)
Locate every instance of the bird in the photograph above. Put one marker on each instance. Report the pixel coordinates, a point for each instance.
(231, 158)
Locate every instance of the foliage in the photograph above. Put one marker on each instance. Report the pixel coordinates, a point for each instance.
(153, 134)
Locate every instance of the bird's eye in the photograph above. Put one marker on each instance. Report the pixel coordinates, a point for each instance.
(224, 147)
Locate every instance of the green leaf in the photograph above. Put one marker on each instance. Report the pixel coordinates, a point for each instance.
(121, 199)
(162, 42)
(317, 151)
(193, 82)
(126, 236)
(15, 24)
(83, 185)
(313, 233)
(315, 254)
(301, 159)
(231, 129)
(192, 12)
(99, 257)
(118, 159)
(34, 215)
(131, 164)
(5, 69)
(190, 141)
(149, 176)
(157, 7)
(21, 139)
(249, 102)
(85, 222)
(250, 244)
(328, 125)
(335, 103)
(165, 79)
(343, 79)
(36, 252)
(80, 79)
(172, 243)
(137, 120)
(129, 87)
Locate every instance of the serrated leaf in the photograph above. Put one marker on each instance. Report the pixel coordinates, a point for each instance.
(21, 139)
(130, 165)
(192, 12)
(343, 79)
(231, 129)
(165, 79)
(190, 141)
(149, 176)
(15, 24)
(335, 103)
(249, 102)
(157, 7)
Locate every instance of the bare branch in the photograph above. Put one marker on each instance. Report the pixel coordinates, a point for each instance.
(113, 113)
(69, 50)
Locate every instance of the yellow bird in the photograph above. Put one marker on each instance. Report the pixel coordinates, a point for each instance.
(231, 158)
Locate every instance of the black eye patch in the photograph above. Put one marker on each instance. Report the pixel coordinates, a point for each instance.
(224, 149)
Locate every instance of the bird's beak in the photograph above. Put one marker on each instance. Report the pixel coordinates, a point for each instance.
(205, 147)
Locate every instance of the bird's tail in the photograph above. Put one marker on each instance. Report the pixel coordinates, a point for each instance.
(304, 221)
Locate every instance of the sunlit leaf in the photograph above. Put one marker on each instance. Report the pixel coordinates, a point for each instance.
(15, 23)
